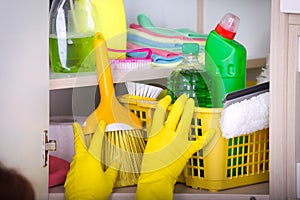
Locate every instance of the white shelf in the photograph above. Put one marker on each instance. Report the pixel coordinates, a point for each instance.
(259, 191)
(73, 80)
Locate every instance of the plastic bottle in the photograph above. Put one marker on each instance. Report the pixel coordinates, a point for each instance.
(190, 77)
(225, 59)
(73, 24)
(112, 20)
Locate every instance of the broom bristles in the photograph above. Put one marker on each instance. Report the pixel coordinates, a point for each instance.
(125, 148)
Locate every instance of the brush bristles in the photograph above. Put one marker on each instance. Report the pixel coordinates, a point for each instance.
(125, 147)
(143, 90)
(131, 64)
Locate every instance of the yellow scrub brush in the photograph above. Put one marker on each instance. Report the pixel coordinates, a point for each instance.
(124, 142)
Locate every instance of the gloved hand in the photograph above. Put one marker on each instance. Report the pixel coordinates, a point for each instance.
(86, 178)
(168, 149)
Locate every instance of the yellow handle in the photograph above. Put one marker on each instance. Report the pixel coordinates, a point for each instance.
(111, 17)
(105, 80)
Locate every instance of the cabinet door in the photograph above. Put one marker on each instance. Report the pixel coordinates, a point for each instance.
(24, 88)
(293, 104)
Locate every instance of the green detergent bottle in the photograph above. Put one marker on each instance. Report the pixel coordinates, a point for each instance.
(225, 59)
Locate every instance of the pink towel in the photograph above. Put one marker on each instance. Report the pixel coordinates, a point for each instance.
(58, 169)
(140, 28)
(160, 52)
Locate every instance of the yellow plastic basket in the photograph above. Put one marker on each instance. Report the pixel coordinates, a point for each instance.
(226, 163)
(223, 163)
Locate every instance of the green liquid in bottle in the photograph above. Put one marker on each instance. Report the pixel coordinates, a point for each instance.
(194, 83)
(72, 54)
(190, 78)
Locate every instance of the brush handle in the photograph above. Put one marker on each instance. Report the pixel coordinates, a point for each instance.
(109, 109)
(105, 80)
(247, 93)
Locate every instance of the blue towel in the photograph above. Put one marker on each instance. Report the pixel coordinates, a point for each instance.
(156, 58)
(163, 60)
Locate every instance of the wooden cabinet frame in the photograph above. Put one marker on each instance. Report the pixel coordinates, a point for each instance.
(285, 30)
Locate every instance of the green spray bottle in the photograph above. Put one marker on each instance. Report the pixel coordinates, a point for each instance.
(225, 59)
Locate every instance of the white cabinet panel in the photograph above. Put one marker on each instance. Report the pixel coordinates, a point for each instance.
(24, 88)
(290, 6)
(170, 14)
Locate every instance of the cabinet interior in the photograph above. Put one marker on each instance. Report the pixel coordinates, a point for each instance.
(62, 99)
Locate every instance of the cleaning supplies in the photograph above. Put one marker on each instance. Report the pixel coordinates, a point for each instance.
(125, 147)
(112, 19)
(143, 91)
(168, 148)
(245, 111)
(125, 142)
(116, 116)
(190, 78)
(86, 178)
(127, 64)
(225, 59)
(71, 36)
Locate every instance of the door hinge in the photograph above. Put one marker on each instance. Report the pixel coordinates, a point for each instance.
(48, 145)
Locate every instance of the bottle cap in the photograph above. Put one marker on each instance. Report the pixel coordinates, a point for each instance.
(228, 26)
(190, 48)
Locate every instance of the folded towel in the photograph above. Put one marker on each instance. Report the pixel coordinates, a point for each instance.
(150, 43)
(160, 52)
(181, 38)
(139, 33)
(162, 40)
(166, 60)
(191, 34)
(165, 43)
(157, 58)
(146, 23)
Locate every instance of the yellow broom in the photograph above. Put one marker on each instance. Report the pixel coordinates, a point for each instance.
(124, 142)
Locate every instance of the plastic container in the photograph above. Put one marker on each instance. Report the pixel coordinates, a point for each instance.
(73, 25)
(223, 163)
(225, 59)
(112, 18)
(226, 163)
(190, 78)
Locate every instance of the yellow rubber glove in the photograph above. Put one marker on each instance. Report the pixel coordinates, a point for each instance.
(86, 179)
(168, 149)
